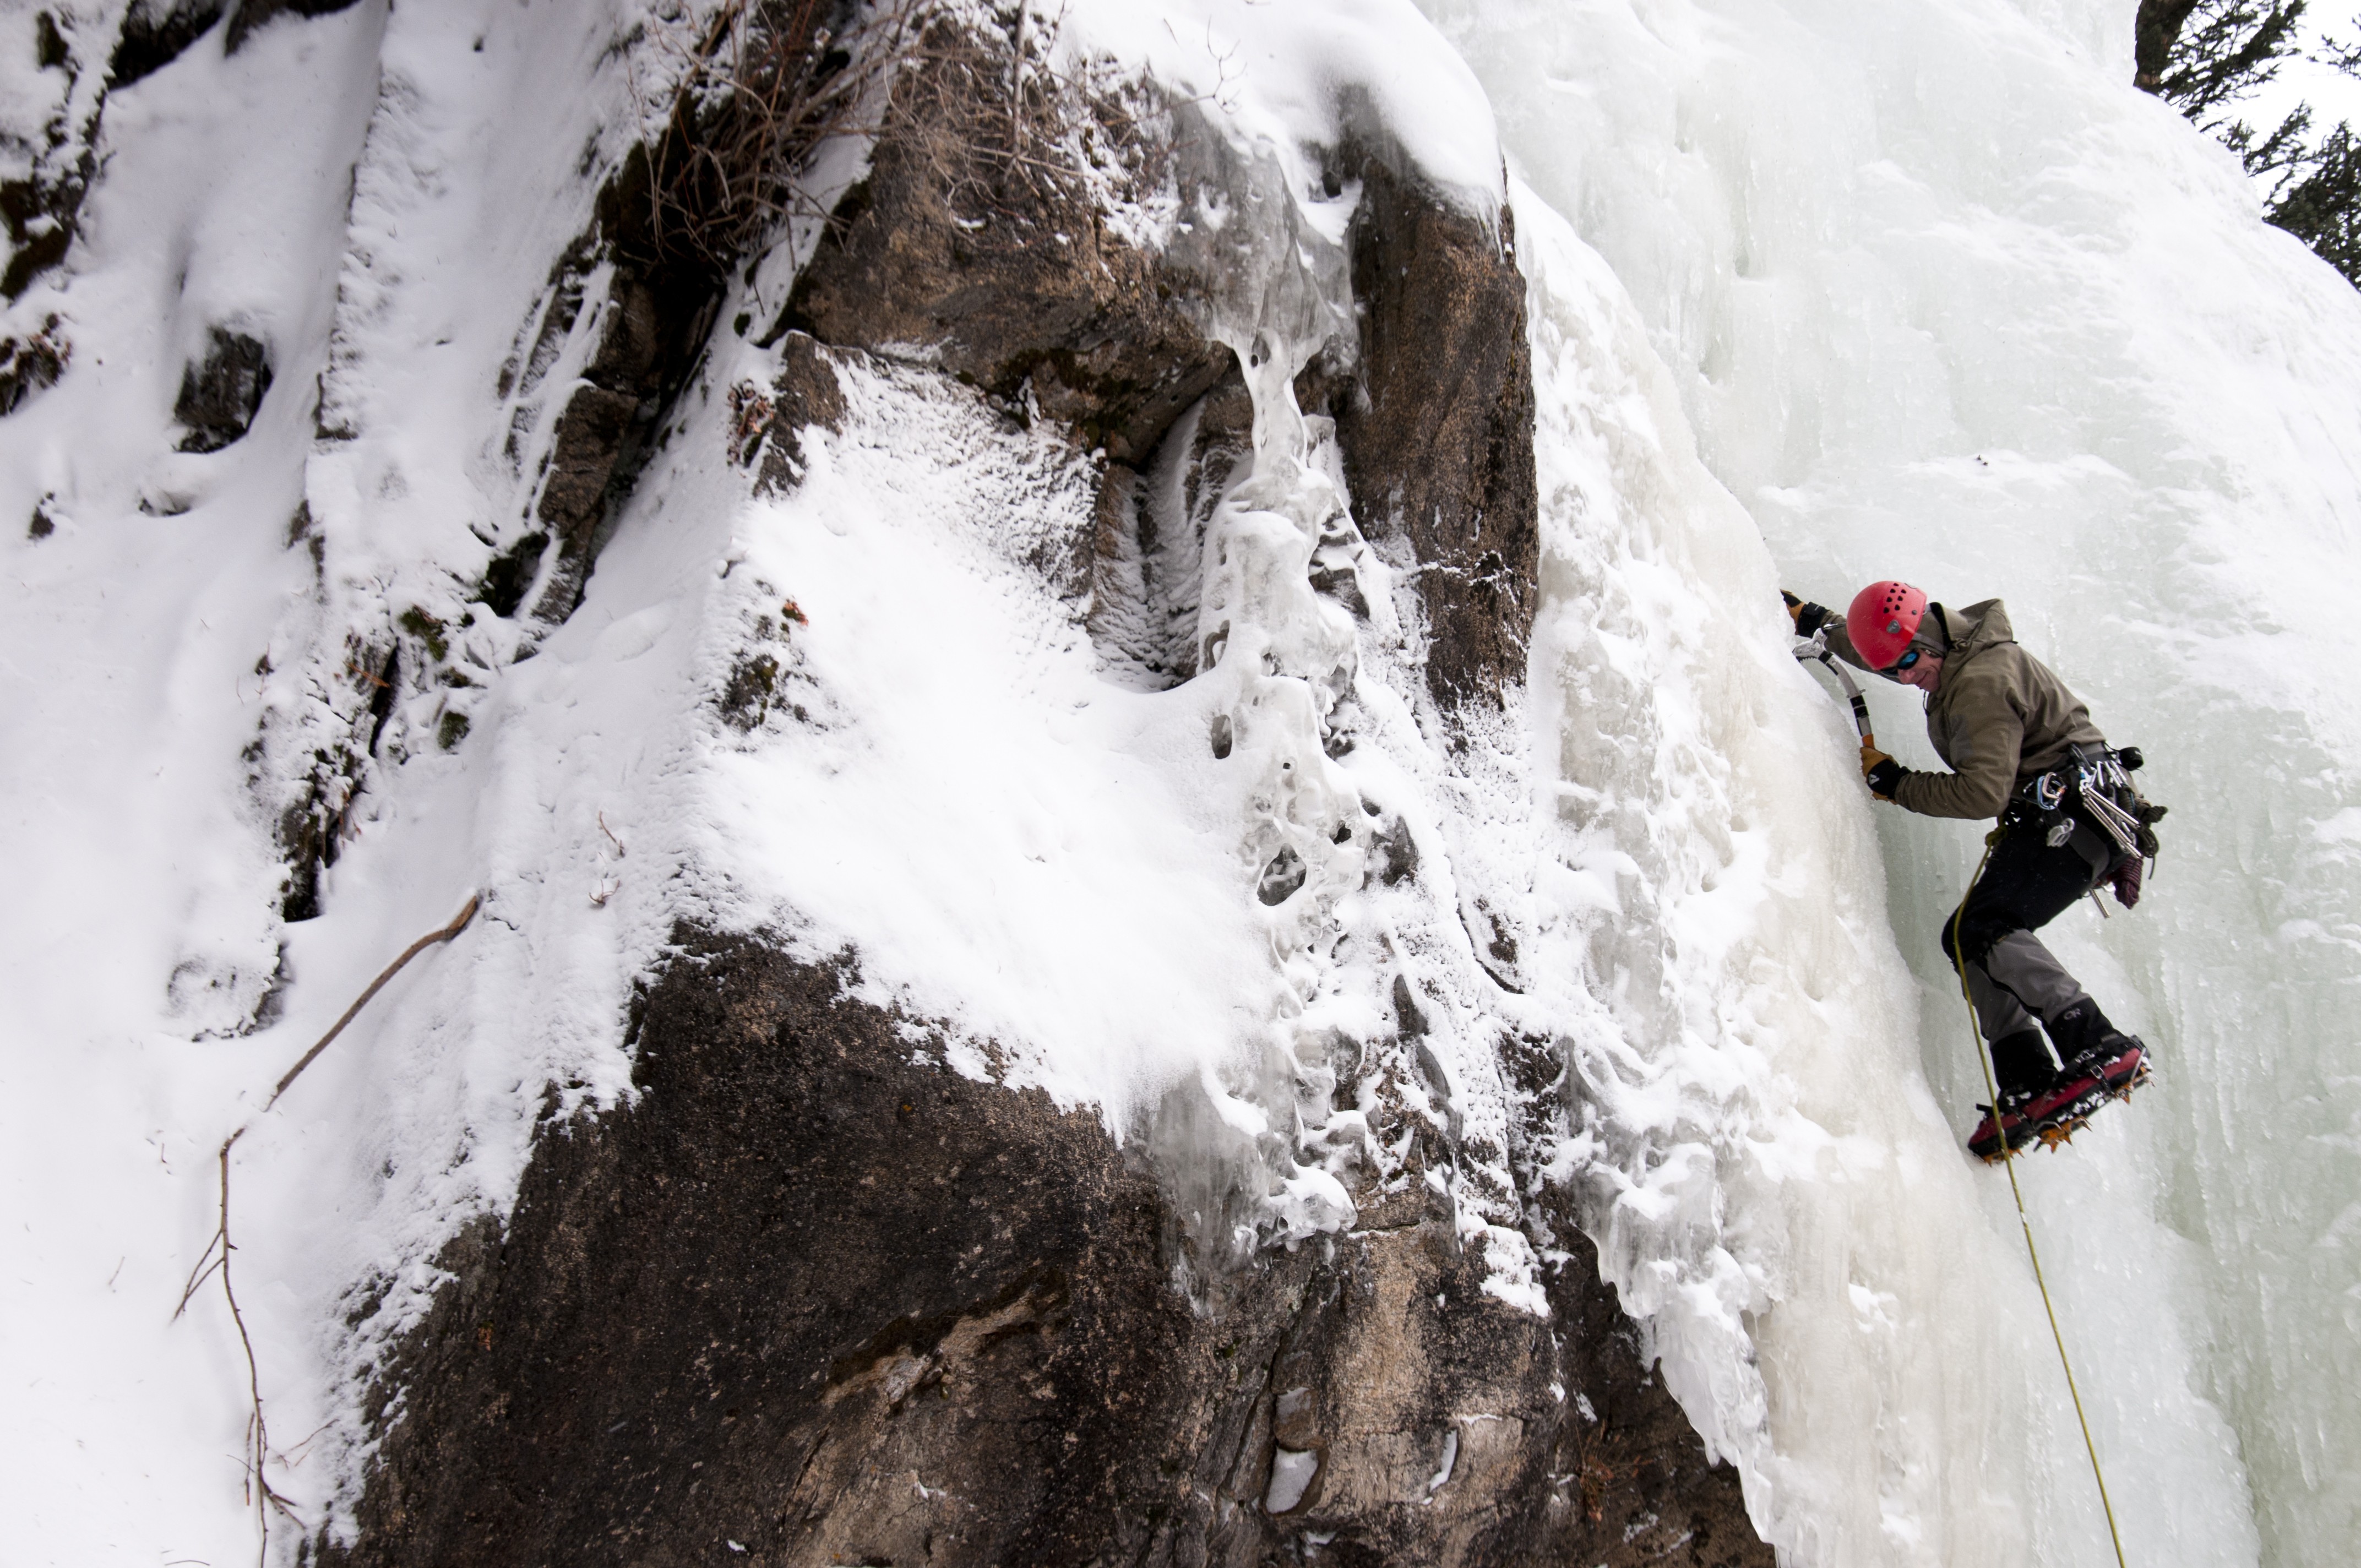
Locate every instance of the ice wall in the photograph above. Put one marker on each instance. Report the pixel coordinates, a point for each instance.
(1943, 297)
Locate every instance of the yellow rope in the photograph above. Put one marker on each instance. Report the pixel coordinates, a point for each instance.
(2008, 1159)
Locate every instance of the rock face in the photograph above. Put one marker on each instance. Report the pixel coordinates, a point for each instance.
(155, 32)
(31, 365)
(813, 1301)
(221, 393)
(646, 332)
(810, 1300)
(971, 240)
(1437, 429)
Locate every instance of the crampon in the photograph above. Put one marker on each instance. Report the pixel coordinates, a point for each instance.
(2052, 1118)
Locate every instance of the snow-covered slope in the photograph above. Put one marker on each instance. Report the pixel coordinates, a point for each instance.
(864, 716)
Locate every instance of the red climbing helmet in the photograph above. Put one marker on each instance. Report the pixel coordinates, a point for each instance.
(1884, 619)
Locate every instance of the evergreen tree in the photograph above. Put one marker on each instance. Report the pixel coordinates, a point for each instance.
(2322, 206)
(2205, 56)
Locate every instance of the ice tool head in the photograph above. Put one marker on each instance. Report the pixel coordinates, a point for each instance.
(1885, 617)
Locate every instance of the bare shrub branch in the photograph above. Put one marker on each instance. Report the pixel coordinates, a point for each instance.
(766, 84)
(216, 1259)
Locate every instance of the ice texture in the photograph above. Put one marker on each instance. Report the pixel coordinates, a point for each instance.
(1945, 298)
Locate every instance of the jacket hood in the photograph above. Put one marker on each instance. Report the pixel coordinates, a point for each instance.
(1975, 629)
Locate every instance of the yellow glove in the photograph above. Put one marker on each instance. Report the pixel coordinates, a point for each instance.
(1882, 771)
(1809, 616)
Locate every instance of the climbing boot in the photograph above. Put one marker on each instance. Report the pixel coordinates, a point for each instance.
(2109, 1070)
(2080, 1030)
(2117, 1064)
(2022, 1067)
(2002, 1134)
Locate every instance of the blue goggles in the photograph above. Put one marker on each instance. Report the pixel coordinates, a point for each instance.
(1910, 657)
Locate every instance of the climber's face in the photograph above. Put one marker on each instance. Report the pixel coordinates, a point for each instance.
(1922, 671)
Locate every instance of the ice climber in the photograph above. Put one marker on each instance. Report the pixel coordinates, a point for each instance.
(2021, 748)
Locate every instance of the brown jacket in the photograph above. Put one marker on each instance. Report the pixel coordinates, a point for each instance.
(1999, 717)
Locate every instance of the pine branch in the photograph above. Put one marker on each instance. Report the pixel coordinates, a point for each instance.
(2225, 50)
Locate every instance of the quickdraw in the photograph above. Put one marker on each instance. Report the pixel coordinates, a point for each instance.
(2101, 783)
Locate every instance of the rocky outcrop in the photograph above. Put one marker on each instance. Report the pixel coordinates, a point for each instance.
(810, 1301)
(252, 16)
(1437, 427)
(595, 425)
(221, 393)
(42, 208)
(30, 364)
(156, 32)
(659, 305)
(974, 243)
(814, 1298)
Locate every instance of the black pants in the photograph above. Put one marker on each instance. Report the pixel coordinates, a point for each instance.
(2012, 978)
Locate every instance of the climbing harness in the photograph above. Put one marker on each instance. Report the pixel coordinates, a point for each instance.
(2102, 784)
(2092, 803)
(2008, 1159)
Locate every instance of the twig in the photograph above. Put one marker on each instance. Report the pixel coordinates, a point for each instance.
(266, 1497)
(258, 1490)
(416, 947)
(215, 1258)
(764, 84)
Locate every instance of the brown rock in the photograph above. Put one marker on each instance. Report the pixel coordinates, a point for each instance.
(582, 458)
(1438, 434)
(803, 395)
(972, 243)
(221, 394)
(836, 1305)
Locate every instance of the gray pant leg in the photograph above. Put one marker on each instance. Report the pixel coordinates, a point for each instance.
(1997, 1010)
(2021, 971)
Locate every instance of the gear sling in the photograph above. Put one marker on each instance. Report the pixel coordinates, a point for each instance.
(2063, 834)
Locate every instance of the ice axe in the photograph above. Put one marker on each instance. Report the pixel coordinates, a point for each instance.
(1816, 647)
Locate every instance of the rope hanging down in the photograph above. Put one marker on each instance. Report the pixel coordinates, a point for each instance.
(2008, 1159)
(1818, 648)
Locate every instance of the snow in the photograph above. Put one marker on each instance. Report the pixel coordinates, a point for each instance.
(1017, 851)
(977, 827)
(1289, 80)
(1840, 290)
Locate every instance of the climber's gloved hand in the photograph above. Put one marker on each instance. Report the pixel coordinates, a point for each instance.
(1882, 771)
(1809, 616)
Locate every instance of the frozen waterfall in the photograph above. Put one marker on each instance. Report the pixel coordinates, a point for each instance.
(1943, 297)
